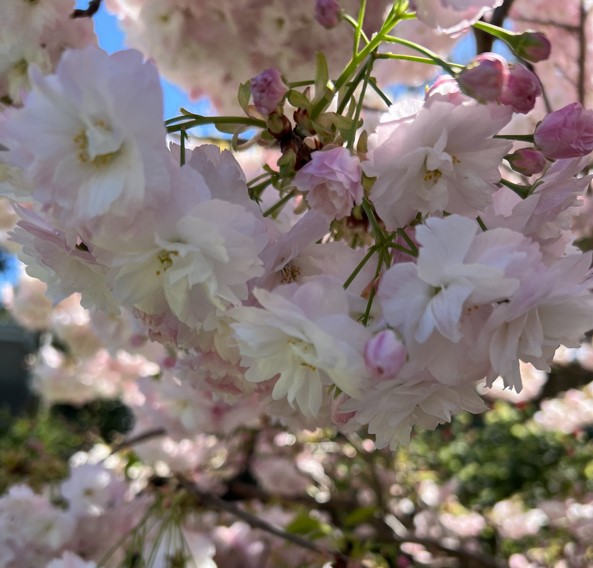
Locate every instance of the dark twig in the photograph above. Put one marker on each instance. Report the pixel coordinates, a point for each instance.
(582, 59)
(485, 41)
(255, 522)
(92, 9)
(142, 437)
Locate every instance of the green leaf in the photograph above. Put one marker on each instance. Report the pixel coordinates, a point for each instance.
(244, 95)
(298, 100)
(359, 516)
(321, 77)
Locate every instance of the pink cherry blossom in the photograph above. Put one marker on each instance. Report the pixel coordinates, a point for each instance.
(332, 182)
(521, 89)
(442, 158)
(452, 16)
(268, 90)
(566, 133)
(327, 13)
(484, 77)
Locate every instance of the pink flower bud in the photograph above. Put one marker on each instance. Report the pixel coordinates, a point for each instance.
(268, 90)
(332, 180)
(527, 161)
(338, 416)
(384, 355)
(484, 77)
(533, 46)
(328, 13)
(520, 90)
(566, 133)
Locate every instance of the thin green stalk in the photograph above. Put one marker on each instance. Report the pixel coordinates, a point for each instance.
(521, 190)
(355, 62)
(199, 120)
(427, 52)
(383, 96)
(402, 249)
(481, 223)
(279, 204)
(358, 33)
(360, 266)
(379, 235)
(518, 137)
(402, 233)
(358, 110)
(414, 58)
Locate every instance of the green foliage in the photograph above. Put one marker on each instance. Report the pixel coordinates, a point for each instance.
(35, 450)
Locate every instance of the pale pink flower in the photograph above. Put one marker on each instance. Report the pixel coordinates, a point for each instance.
(268, 90)
(552, 307)
(96, 144)
(91, 489)
(566, 133)
(442, 159)
(452, 16)
(70, 560)
(392, 408)
(304, 339)
(332, 182)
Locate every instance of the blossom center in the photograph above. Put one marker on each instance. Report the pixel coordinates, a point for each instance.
(290, 273)
(303, 352)
(97, 144)
(165, 258)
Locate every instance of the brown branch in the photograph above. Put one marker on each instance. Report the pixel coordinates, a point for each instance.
(143, 437)
(485, 41)
(92, 9)
(255, 522)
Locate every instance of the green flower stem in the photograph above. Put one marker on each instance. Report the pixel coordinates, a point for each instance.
(377, 90)
(357, 112)
(358, 33)
(392, 19)
(521, 190)
(199, 120)
(402, 233)
(277, 206)
(481, 223)
(414, 58)
(427, 52)
(497, 32)
(518, 137)
(380, 237)
(296, 84)
(360, 266)
(403, 249)
(350, 90)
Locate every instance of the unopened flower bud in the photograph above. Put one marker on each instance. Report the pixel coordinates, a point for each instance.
(384, 355)
(527, 161)
(328, 13)
(520, 90)
(566, 133)
(268, 89)
(338, 415)
(532, 46)
(484, 77)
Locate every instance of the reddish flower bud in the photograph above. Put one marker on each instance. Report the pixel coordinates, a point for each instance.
(384, 355)
(527, 161)
(484, 77)
(520, 90)
(328, 13)
(268, 90)
(566, 133)
(532, 46)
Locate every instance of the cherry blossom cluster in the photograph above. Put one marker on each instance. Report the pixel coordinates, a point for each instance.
(36, 34)
(363, 280)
